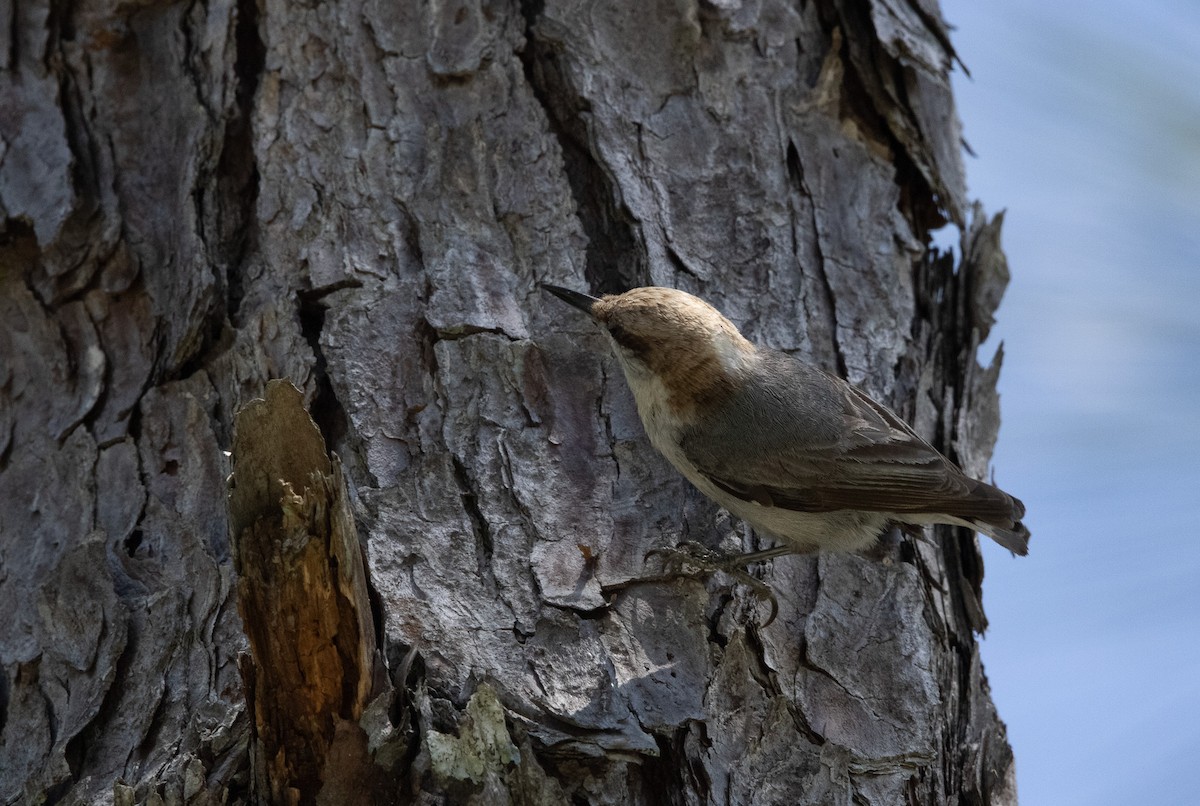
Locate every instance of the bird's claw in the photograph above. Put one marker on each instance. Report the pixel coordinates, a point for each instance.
(675, 561)
(692, 559)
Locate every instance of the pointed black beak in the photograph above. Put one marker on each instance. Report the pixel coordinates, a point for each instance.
(581, 301)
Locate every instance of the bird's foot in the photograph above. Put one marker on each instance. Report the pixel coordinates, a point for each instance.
(691, 559)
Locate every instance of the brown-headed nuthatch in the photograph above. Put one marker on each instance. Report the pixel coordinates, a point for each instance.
(798, 453)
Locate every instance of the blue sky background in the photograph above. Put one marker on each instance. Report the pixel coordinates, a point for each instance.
(1085, 118)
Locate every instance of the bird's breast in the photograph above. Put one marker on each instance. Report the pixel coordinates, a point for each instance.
(660, 419)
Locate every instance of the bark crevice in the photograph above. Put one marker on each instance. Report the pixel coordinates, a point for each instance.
(617, 259)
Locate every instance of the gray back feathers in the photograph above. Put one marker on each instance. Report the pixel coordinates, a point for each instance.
(839, 450)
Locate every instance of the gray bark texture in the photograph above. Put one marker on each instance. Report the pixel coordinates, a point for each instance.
(361, 197)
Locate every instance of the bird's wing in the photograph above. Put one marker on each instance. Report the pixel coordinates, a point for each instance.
(848, 452)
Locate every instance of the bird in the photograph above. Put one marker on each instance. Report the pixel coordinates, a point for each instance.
(798, 453)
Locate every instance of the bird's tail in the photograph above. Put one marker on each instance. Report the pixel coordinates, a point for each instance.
(1013, 535)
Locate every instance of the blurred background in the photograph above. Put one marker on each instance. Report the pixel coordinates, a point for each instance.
(1085, 121)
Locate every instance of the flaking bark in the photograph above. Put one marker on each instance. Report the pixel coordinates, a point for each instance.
(196, 198)
(305, 607)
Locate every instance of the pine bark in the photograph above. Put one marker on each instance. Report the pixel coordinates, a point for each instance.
(361, 197)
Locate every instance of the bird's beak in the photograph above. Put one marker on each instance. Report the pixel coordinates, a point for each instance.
(581, 301)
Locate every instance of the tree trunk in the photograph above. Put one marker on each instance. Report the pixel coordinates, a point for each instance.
(362, 197)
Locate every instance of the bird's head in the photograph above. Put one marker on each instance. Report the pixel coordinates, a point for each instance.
(672, 337)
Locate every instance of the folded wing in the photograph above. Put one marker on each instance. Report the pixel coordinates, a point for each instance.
(845, 453)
